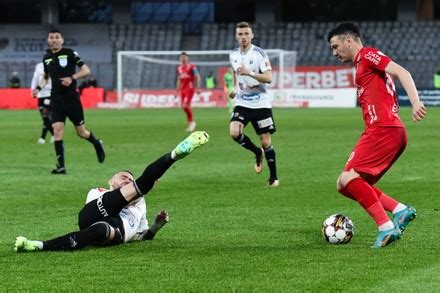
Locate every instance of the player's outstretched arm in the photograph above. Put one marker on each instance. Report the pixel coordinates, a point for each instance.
(419, 110)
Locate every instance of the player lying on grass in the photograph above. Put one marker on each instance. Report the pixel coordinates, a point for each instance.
(384, 138)
(118, 215)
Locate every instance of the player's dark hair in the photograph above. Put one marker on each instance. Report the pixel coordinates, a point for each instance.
(243, 24)
(345, 28)
(183, 54)
(54, 31)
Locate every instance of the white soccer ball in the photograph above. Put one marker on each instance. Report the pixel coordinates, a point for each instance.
(337, 229)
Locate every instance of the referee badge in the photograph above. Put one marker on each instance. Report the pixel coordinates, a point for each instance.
(62, 60)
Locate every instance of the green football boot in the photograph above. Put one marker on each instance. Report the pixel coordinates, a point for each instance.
(24, 245)
(189, 144)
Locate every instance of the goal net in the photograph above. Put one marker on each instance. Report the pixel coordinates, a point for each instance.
(147, 79)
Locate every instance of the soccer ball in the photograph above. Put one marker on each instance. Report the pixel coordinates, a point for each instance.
(337, 229)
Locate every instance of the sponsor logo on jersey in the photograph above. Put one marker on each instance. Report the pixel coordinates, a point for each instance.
(373, 57)
(47, 61)
(101, 207)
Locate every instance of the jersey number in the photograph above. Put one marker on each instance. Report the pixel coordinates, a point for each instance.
(391, 88)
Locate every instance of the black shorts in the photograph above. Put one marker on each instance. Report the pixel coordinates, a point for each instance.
(261, 119)
(44, 103)
(91, 213)
(67, 105)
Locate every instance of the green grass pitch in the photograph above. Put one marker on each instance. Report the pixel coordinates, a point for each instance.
(227, 230)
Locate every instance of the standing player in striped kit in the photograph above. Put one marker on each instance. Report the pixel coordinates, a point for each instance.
(384, 138)
(252, 101)
(43, 101)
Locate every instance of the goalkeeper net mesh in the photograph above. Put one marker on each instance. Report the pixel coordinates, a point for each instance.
(156, 70)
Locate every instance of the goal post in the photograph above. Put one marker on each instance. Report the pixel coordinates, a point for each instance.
(148, 78)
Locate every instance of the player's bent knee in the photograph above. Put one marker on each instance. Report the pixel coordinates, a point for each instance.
(235, 135)
(266, 144)
(81, 133)
(234, 131)
(102, 232)
(345, 178)
(339, 186)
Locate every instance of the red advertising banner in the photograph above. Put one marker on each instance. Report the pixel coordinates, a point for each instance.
(168, 99)
(19, 99)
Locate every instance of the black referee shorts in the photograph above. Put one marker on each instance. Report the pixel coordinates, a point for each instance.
(105, 208)
(67, 106)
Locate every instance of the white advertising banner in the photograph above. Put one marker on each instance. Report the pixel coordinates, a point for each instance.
(315, 98)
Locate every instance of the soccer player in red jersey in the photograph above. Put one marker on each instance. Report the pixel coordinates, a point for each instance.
(187, 73)
(384, 138)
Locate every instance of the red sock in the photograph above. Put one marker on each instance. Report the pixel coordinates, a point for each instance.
(387, 202)
(189, 114)
(366, 196)
(344, 192)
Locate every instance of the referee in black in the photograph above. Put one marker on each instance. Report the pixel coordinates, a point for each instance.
(59, 64)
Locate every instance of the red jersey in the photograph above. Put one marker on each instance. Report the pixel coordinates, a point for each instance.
(186, 74)
(376, 91)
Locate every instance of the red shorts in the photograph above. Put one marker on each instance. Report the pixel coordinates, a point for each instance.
(376, 151)
(186, 96)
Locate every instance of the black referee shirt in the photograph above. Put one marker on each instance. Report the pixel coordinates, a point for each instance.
(61, 64)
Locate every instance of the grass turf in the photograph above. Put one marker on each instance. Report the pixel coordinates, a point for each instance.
(227, 230)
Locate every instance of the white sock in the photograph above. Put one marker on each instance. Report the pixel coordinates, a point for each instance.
(39, 244)
(399, 207)
(173, 154)
(386, 226)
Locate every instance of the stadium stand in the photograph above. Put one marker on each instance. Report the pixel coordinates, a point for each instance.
(418, 52)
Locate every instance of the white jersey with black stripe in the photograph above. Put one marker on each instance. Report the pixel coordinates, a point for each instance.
(133, 215)
(251, 93)
(36, 80)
